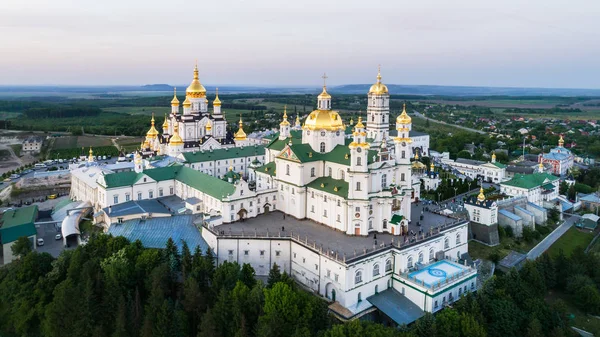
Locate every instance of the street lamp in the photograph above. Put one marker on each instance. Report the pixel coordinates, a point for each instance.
(455, 189)
(439, 196)
(469, 184)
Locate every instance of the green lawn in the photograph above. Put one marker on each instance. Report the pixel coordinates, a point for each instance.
(571, 240)
(17, 148)
(580, 320)
(480, 251)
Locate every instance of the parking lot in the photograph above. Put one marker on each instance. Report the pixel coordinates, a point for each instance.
(51, 245)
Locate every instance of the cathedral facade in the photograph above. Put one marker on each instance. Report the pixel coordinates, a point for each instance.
(192, 127)
(358, 185)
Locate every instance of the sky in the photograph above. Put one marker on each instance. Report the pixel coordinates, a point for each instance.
(515, 43)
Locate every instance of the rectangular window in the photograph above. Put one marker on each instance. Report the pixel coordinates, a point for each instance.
(116, 199)
(357, 209)
(246, 252)
(402, 177)
(170, 190)
(151, 194)
(316, 266)
(277, 253)
(262, 253)
(328, 273)
(250, 203)
(127, 197)
(358, 185)
(336, 277)
(338, 218)
(160, 192)
(325, 213)
(230, 252)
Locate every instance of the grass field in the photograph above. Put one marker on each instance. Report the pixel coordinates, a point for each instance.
(17, 149)
(159, 111)
(71, 142)
(480, 251)
(571, 240)
(5, 155)
(129, 144)
(581, 320)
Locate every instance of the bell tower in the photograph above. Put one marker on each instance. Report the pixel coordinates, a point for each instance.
(378, 111)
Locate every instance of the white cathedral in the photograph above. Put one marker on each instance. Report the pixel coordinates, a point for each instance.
(194, 128)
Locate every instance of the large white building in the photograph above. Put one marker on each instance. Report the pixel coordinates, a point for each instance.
(492, 172)
(537, 187)
(337, 193)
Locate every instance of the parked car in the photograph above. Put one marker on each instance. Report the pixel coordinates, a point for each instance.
(58, 237)
(52, 196)
(40, 242)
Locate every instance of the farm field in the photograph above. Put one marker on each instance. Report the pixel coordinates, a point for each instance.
(70, 142)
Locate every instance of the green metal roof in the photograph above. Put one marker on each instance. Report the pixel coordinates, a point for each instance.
(329, 185)
(222, 154)
(499, 165)
(267, 168)
(208, 184)
(120, 179)
(17, 223)
(396, 218)
(530, 181)
(548, 186)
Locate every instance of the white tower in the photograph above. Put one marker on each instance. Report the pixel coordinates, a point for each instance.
(217, 104)
(284, 126)
(174, 103)
(139, 163)
(378, 111)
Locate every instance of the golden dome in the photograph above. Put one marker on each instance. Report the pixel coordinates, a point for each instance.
(324, 120)
(297, 120)
(324, 94)
(494, 156)
(360, 124)
(481, 196)
(404, 118)
(174, 101)
(165, 125)
(240, 134)
(417, 165)
(196, 89)
(285, 121)
(217, 101)
(351, 121)
(208, 125)
(417, 155)
(378, 88)
(431, 167)
(176, 138)
(91, 152)
(561, 141)
(187, 102)
(152, 133)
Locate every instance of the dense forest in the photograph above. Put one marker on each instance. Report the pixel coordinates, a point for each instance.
(113, 287)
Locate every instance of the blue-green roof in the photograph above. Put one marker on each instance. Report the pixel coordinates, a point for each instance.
(338, 187)
(530, 181)
(222, 154)
(208, 184)
(17, 223)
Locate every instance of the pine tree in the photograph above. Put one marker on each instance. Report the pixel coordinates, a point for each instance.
(274, 276)
(186, 260)
(248, 276)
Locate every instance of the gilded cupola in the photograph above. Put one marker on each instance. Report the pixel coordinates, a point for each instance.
(152, 133)
(195, 89)
(240, 134)
(404, 118)
(378, 88)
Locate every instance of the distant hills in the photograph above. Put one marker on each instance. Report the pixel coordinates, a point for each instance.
(359, 89)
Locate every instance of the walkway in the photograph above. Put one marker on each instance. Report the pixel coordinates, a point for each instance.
(418, 114)
(541, 247)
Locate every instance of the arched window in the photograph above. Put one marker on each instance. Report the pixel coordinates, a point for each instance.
(421, 257)
(457, 238)
(330, 172)
(358, 277)
(376, 269)
(385, 224)
(446, 243)
(342, 174)
(358, 161)
(431, 254)
(376, 289)
(312, 172)
(388, 265)
(287, 169)
(358, 185)
(409, 263)
(383, 181)
(322, 146)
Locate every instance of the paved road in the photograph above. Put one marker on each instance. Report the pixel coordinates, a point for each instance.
(551, 238)
(418, 114)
